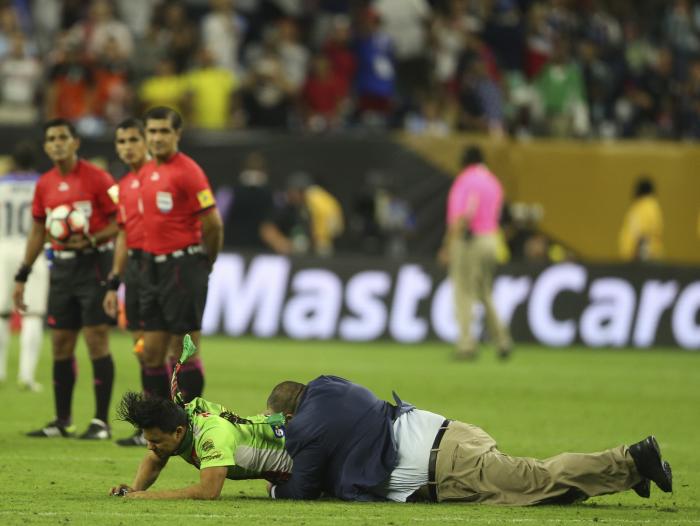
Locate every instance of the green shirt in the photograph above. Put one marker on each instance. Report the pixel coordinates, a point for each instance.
(249, 447)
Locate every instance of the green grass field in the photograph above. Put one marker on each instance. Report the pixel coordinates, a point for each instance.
(541, 403)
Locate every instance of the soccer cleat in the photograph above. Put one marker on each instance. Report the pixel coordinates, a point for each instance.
(53, 429)
(97, 430)
(643, 488)
(647, 458)
(134, 440)
(31, 387)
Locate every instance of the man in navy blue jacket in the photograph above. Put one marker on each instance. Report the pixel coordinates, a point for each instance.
(346, 443)
(321, 418)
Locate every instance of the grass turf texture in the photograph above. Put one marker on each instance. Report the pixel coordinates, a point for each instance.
(541, 403)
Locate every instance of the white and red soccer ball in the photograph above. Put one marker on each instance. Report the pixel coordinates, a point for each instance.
(65, 221)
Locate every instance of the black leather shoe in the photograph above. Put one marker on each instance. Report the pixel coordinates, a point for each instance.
(643, 488)
(647, 458)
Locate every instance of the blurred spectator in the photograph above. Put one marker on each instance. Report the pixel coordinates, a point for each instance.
(689, 105)
(430, 119)
(322, 96)
(481, 101)
(562, 93)
(505, 34)
(382, 220)
(71, 83)
(337, 48)
(209, 92)
(222, 33)
(406, 22)
(645, 109)
(251, 206)
(309, 220)
(293, 56)
(137, 14)
(374, 82)
(641, 235)
(113, 94)
(165, 88)
(266, 95)
(20, 75)
(180, 33)
(99, 27)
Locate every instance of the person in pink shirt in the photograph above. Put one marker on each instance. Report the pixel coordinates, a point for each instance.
(473, 211)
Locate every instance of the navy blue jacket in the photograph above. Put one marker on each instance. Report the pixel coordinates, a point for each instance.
(341, 440)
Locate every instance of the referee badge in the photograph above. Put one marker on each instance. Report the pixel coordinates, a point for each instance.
(164, 201)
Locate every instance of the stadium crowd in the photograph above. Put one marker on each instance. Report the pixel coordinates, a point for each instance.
(564, 68)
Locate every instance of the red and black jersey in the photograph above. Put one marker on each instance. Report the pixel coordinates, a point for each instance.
(86, 187)
(130, 216)
(173, 194)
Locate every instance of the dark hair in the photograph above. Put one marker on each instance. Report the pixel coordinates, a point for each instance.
(472, 155)
(24, 155)
(53, 123)
(163, 112)
(644, 186)
(146, 412)
(131, 122)
(285, 397)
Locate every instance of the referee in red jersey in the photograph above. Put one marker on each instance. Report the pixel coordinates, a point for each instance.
(183, 234)
(130, 144)
(78, 275)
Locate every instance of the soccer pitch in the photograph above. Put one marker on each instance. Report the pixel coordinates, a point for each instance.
(541, 403)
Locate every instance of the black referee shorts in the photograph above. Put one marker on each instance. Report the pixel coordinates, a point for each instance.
(174, 293)
(132, 288)
(77, 289)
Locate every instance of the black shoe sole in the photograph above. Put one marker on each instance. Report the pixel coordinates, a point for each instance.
(647, 458)
(643, 488)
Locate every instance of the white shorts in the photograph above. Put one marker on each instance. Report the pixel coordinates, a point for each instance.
(36, 292)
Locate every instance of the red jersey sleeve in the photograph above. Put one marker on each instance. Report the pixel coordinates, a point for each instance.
(38, 208)
(195, 185)
(107, 194)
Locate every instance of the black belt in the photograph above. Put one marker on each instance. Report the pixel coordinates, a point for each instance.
(432, 483)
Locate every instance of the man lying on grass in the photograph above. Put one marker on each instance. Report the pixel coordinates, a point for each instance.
(207, 435)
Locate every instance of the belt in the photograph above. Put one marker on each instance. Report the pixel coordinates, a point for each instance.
(72, 254)
(192, 249)
(134, 253)
(432, 483)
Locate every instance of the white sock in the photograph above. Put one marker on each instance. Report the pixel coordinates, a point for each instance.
(31, 340)
(4, 344)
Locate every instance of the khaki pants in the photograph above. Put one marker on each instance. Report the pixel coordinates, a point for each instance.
(471, 268)
(470, 468)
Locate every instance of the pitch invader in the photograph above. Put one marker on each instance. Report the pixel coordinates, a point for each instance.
(131, 149)
(183, 236)
(16, 191)
(78, 275)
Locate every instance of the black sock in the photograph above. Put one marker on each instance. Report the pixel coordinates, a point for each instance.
(64, 374)
(156, 381)
(103, 375)
(191, 379)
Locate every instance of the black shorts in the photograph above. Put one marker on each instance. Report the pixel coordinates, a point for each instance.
(77, 289)
(174, 292)
(132, 289)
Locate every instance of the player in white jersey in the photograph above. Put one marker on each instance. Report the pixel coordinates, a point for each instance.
(16, 193)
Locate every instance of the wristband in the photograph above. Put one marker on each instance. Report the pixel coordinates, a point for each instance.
(113, 282)
(23, 273)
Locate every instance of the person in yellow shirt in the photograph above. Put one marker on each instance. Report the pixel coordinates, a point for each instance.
(209, 93)
(641, 236)
(165, 88)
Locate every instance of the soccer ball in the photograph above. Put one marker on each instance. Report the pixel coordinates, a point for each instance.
(64, 221)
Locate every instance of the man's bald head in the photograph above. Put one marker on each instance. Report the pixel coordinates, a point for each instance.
(285, 397)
